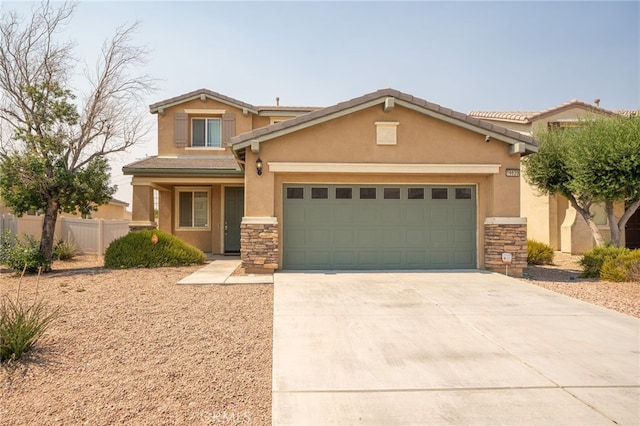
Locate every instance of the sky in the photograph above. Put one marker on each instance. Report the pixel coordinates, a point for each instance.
(462, 55)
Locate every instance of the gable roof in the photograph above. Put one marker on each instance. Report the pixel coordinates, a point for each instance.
(526, 117)
(257, 136)
(183, 165)
(209, 94)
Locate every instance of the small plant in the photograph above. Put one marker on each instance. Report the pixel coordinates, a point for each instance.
(624, 267)
(64, 250)
(593, 260)
(150, 249)
(21, 326)
(23, 254)
(539, 253)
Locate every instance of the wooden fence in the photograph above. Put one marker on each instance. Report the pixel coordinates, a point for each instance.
(89, 236)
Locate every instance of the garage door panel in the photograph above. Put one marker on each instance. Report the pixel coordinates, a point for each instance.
(414, 231)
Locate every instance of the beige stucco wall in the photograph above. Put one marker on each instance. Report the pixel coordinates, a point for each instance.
(352, 139)
(111, 212)
(165, 127)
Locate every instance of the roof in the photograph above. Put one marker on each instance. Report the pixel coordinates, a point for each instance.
(209, 94)
(526, 117)
(118, 202)
(262, 134)
(183, 165)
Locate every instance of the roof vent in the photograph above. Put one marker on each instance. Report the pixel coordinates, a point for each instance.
(597, 102)
(277, 101)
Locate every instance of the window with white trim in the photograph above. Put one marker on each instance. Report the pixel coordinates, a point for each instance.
(206, 132)
(192, 208)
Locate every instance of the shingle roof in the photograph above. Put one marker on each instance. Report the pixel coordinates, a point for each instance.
(370, 99)
(183, 164)
(528, 116)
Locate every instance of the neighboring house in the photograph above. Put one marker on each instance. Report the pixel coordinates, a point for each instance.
(551, 219)
(382, 181)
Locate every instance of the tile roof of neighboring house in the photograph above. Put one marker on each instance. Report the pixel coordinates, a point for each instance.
(528, 116)
(206, 93)
(183, 165)
(116, 201)
(378, 97)
(627, 112)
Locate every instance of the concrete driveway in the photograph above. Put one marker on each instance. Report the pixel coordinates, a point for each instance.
(447, 348)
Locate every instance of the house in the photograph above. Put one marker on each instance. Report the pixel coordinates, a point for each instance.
(551, 219)
(382, 181)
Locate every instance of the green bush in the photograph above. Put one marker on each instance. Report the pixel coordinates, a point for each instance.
(18, 253)
(21, 326)
(137, 250)
(624, 267)
(64, 250)
(539, 253)
(593, 260)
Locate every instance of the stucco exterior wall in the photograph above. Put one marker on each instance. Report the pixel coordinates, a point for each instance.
(166, 127)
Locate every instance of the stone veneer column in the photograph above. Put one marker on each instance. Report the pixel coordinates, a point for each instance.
(259, 249)
(505, 235)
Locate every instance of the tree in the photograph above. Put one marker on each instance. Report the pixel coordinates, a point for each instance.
(53, 154)
(596, 162)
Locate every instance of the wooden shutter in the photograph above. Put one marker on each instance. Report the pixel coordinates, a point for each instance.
(228, 127)
(180, 127)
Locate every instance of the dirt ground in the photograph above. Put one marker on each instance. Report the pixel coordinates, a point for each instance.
(132, 347)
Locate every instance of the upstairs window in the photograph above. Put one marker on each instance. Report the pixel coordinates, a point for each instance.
(206, 132)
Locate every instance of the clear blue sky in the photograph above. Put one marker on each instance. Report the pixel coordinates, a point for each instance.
(462, 55)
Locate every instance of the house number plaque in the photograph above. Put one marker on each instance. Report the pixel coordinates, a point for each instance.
(513, 172)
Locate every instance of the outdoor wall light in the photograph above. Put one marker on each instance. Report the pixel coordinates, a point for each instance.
(259, 166)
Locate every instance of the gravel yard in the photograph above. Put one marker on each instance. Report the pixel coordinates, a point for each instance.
(132, 347)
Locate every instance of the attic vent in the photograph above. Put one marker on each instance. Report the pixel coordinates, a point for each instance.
(386, 132)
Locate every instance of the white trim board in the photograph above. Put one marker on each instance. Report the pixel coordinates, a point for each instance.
(298, 167)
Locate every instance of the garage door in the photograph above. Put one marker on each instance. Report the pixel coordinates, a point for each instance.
(379, 227)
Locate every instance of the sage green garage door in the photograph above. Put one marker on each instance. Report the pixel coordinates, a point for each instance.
(379, 227)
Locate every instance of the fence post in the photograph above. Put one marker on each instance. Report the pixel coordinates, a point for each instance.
(101, 237)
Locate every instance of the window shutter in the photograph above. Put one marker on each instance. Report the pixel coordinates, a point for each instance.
(180, 129)
(228, 127)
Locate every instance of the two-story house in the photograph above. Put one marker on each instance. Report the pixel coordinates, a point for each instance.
(551, 219)
(382, 181)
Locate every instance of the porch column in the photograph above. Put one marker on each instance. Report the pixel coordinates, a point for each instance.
(142, 216)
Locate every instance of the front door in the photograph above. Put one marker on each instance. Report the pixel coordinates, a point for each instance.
(632, 231)
(233, 212)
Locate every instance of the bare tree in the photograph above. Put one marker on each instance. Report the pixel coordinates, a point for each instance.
(53, 152)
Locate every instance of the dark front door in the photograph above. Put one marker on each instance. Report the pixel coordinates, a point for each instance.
(233, 212)
(632, 231)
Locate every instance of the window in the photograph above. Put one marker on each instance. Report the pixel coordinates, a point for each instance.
(439, 193)
(463, 193)
(391, 193)
(295, 193)
(343, 193)
(416, 193)
(367, 193)
(319, 193)
(193, 208)
(206, 132)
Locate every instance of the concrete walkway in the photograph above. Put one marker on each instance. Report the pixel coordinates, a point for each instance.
(452, 348)
(219, 271)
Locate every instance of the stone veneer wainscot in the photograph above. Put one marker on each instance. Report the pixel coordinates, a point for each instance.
(505, 235)
(259, 244)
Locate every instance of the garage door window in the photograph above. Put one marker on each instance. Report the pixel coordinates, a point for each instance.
(392, 193)
(439, 194)
(319, 193)
(416, 194)
(463, 193)
(367, 193)
(343, 193)
(295, 193)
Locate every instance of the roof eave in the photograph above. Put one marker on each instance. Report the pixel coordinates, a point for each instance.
(134, 171)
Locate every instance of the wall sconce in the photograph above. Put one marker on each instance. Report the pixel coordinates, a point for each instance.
(259, 166)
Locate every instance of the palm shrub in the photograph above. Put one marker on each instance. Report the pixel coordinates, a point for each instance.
(21, 326)
(150, 249)
(624, 267)
(593, 260)
(539, 253)
(64, 250)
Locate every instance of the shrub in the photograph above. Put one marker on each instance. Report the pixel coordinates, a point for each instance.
(539, 253)
(20, 253)
(624, 267)
(64, 250)
(150, 249)
(593, 260)
(21, 326)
